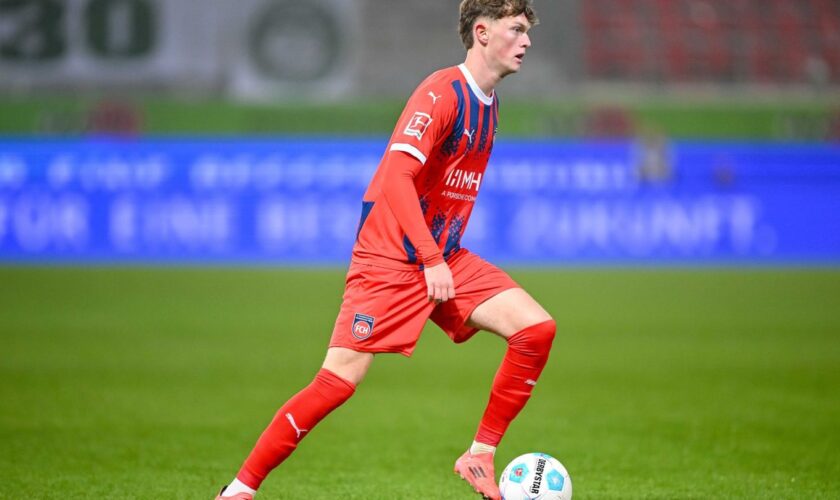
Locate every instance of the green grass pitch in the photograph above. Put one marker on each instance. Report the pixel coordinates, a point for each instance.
(152, 383)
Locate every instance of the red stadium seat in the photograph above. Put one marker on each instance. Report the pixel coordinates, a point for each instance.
(760, 41)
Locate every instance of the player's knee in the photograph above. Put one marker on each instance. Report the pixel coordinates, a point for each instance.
(351, 366)
(544, 335)
(535, 340)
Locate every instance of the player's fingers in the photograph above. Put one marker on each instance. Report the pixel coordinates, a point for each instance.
(451, 291)
(430, 291)
(444, 293)
(439, 294)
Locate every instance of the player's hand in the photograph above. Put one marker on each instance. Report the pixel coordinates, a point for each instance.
(439, 284)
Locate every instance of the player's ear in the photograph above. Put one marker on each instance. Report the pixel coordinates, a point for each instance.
(481, 32)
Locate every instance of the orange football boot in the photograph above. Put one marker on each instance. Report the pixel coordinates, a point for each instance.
(478, 471)
(238, 496)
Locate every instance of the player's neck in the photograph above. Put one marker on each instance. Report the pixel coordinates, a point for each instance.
(484, 76)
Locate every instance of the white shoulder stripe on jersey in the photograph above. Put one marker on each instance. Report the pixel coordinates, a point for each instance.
(408, 148)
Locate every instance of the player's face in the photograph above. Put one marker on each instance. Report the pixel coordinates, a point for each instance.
(507, 43)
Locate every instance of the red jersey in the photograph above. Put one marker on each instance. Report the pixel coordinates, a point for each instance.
(441, 143)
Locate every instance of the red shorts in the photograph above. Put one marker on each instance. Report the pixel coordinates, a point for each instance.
(384, 310)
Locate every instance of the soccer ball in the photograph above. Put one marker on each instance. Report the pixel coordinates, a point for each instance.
(535, 476)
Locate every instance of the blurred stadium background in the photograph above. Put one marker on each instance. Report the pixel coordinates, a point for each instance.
(764, 69)
(695, 139)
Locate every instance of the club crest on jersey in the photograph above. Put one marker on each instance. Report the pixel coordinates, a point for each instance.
(418, 124)
(362, 326)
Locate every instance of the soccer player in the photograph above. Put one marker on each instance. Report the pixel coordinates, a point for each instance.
(408, 266)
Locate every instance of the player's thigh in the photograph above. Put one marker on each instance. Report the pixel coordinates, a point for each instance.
(383, 310)
(348, 364)
(508, 312)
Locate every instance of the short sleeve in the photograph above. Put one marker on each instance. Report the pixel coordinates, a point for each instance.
(426, 119)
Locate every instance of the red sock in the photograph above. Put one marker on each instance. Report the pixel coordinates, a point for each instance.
(293, 421)
(524, 361)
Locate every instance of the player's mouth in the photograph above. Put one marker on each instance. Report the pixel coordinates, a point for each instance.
(519, 57)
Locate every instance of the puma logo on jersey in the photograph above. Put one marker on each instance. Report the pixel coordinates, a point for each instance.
(531, 382)
(434, 97)
(469, 133)
(291, 420)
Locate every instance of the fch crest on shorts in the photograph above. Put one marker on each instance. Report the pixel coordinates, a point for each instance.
(362, 327)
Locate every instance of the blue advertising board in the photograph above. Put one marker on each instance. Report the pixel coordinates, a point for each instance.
(297, 201)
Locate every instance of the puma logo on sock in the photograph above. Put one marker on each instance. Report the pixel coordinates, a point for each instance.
(291, 420)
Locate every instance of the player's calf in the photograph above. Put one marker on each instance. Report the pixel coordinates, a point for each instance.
(292, 423)
(521, 367)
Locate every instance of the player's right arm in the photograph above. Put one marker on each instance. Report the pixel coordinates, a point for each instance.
(402, 199)
(401, 196)
(427, 117)
(440, 286)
